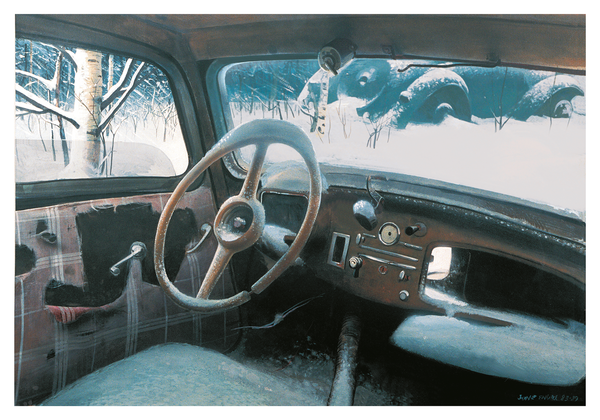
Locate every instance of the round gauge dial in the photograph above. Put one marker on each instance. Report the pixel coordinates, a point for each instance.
(389, 233)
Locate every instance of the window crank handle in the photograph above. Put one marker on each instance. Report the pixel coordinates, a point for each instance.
(137, 251)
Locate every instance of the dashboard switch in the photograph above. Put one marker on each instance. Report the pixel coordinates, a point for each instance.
(355, 264)
(418, 229)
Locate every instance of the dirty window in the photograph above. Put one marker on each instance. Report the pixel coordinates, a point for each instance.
(88, 114)
(507, 130)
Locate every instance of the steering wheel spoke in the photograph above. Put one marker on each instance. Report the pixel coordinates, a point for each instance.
(252, 180)
(215, 271)
(240, 221)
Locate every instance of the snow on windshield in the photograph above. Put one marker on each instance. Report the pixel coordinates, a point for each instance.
(510, 131)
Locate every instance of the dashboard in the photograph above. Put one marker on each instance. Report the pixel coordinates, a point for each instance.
(412, 250)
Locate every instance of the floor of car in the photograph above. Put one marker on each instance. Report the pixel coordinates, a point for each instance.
(312, 371)
(301, 349)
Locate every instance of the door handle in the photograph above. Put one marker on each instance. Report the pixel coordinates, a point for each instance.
(137, 251)
(205, 229)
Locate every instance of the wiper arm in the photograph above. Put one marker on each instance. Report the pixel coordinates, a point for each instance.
(488, 64)
(389, 52)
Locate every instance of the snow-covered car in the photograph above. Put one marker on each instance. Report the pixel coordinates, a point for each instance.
(300, 210)
(404, 91)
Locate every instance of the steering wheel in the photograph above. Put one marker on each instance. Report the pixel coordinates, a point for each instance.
(240, 221)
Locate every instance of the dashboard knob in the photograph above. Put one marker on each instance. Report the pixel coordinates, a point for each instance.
(364, 212)
(411, 230)
(355, 264)
(418, 229)
(404, 295)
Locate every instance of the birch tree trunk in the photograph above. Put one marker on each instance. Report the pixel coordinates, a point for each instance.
(86, 149)
(61, 127)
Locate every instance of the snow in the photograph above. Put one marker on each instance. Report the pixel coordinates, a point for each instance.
(431, 293)
(531, 350)
(33, 163)
(541, 160)
(182, 374)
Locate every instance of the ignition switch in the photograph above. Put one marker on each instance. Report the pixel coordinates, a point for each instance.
(355, 264)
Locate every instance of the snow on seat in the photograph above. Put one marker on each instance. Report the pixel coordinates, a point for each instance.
(182, 375)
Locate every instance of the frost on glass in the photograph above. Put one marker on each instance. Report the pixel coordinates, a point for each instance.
(87, 114)
(512, 131)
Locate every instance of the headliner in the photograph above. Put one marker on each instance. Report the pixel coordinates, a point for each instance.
(552, 41)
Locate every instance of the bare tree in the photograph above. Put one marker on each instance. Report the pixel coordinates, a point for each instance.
(92, 111)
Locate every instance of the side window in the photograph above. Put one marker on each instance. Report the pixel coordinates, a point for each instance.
(89, 114)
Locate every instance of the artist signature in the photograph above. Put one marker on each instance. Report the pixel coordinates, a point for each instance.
(548, 397)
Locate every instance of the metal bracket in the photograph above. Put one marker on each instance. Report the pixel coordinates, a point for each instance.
(375, 196)
(389, 50)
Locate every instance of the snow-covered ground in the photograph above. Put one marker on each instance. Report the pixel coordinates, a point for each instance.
(541, 160)
(142, 150)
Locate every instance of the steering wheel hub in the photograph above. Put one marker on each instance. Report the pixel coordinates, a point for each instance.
(239, 223)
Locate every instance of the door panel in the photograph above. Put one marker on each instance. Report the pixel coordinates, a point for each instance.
(72, 316)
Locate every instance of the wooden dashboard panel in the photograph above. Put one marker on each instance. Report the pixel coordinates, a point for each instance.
(394, 274)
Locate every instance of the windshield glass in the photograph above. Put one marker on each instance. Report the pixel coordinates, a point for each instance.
(511, 131)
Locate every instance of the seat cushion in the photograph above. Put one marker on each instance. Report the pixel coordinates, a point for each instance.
(182, 374)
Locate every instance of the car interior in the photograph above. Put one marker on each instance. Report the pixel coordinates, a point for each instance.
(300, 210)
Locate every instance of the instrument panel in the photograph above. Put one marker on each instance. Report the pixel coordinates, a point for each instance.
(382, 250)
(383, 263)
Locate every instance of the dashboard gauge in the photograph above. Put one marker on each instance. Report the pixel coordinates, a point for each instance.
(389, 233)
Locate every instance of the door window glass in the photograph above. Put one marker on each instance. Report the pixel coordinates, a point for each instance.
(88, 114)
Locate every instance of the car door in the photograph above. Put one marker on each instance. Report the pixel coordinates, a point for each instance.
(84, 204)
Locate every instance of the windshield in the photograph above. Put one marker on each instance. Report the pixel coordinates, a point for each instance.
(511, 131)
